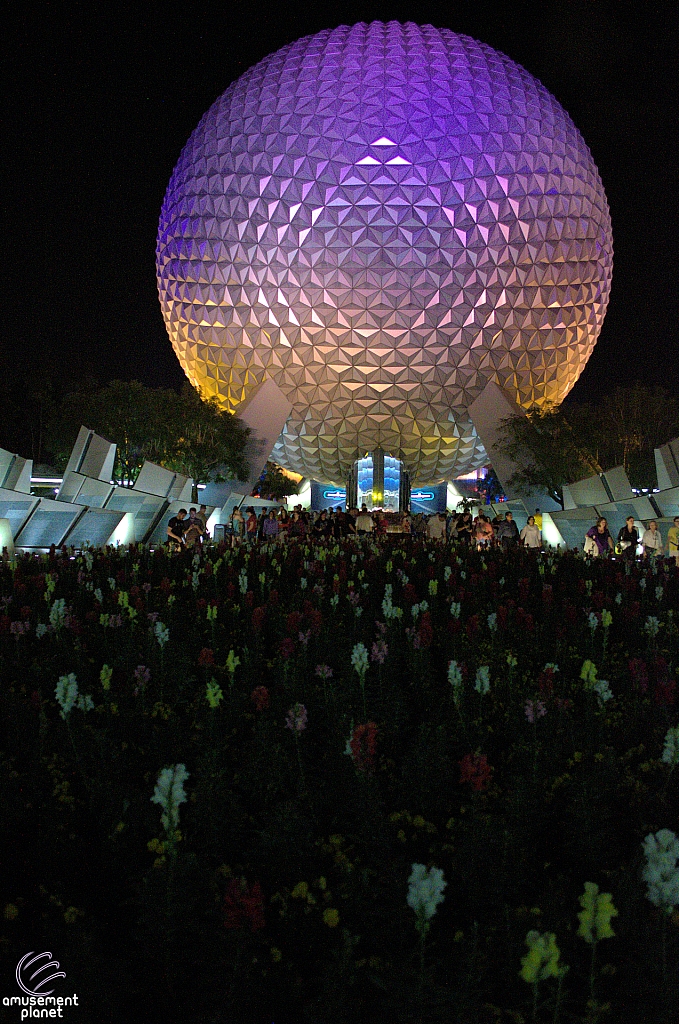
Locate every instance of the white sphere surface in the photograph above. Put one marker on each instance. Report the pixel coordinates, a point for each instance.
(383, 218)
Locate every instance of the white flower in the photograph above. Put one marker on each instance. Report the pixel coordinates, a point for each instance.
(658, 593)
(551, 666)
(303, 583)
(455, 609)
(359, 660)
(602, 690)
(642, 583)
(425, 892)
(670, 754)
(161, 633)
(40, 630)
(334, 600)
(111, 583)
(482, 681)
(618, 598)
(67, 693)
(243, 582)
(85, 702)
(492, 622)
(455, 680)
(98, 595)
(652, 626)
(58, 613)
(593, 620)
(447, 573)
(169, 793)
(661, 873)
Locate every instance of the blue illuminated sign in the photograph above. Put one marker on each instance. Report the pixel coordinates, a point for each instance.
(334, 495)
(422, 496)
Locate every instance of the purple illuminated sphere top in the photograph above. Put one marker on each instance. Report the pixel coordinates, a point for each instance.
(383, 218)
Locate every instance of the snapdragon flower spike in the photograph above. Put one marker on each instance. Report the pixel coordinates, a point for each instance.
(670, 754)
(169, 793)
(661, 873)
(425, 892)
(67, 693)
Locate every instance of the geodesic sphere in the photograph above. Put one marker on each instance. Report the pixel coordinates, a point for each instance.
(383, 219)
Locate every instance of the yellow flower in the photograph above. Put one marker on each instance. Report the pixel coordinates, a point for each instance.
(418, 821)
(71, 915)
(595, 916)
(275, 954)
(300, 892)
(400, 835)
(331, 917)
(321, 883)
(588, 673)
(10, 912)
(542, 959)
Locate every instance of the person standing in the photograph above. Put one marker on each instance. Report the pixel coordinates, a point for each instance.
(673, 540)
(270, 526)
(508, 533)
(531, 535)
(601, 536)
(175, 530)
(484, 533)
(628, 539)
(652, 541)
(436, 527)
(251, 526)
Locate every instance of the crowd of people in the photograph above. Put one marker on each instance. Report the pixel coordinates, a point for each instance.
(599, 540)
(189, 529)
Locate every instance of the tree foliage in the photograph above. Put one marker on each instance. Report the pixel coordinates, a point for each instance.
(275, 483)
(181, 432)
(560, 445)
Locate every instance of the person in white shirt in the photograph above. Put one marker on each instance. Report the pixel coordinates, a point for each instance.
(436, 527)
(531, 536)
(652, 541)
(364, 522)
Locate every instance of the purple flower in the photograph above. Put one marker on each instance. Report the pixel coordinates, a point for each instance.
(305, 637)
(296, 718)
(323, 671)
(379, 651)
(532, 710)
(142, 677)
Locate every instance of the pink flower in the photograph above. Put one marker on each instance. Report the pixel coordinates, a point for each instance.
(296, 718)
(304, 638)
(323, 671)
(379, 651)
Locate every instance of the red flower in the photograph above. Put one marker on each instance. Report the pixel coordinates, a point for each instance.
(474, 768)
(426, 632)
(639, 674)
(363, 746)
(243, 905)
(258, 616)
(293, 622)
(249, 599)
(260, 697)
(409, 594)
(286, 648)
(472, 626)
(206, 657)
(273, 597)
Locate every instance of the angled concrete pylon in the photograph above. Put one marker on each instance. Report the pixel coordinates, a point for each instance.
(487, 412)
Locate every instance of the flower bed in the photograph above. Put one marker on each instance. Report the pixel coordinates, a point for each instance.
(335, 783)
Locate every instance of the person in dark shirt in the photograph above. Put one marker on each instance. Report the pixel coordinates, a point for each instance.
(628, 538)
(175, 530)
(508, 532)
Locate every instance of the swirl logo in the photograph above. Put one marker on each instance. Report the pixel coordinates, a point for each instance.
(30, 960)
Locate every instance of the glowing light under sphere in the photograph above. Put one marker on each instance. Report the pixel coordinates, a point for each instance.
(384, 218)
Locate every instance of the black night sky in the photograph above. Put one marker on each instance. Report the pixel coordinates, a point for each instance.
(101, 100)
